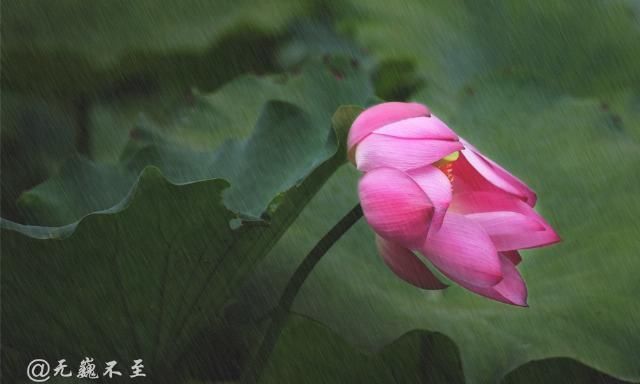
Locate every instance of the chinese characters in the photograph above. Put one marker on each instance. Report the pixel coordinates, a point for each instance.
(39, 370)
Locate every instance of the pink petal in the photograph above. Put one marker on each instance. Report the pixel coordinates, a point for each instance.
(481, 173)
(421, 127)
(438, 187)
(379, 115)
(377, 151)
(484, 201)
(511, 223)
(511, 230)
(407, 265)
(395, 206)
(511, 290)
(463, 251)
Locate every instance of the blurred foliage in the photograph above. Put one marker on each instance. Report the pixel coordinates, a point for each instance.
(583, 48)
(124, 117)
(309, 352)
(37, 136)
(116, 46)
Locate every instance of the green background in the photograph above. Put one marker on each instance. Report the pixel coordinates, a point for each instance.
(166, 165)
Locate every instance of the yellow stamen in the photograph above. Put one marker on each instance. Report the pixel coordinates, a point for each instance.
(446, 164)
(452, 157)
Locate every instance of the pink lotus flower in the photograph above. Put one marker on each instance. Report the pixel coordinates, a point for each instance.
(427, 190)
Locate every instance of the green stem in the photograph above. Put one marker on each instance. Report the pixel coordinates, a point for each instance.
(261, 357)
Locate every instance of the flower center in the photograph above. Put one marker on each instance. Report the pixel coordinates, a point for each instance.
(446, 164)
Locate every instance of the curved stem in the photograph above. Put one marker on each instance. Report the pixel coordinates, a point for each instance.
(261, 357)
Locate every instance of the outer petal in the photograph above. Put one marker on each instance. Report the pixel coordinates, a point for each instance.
(423, 127)
(407, 265)
(379, 115)
(395, 206)
(463, 251)
(479, 172)
(510, 222)
(378, 150)
(511, 290)
(438, 187)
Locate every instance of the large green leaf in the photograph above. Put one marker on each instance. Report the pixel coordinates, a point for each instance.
(550, 370)
(581, 292)
(205, 120)
(142, 279)
(155, 265)
(183, 144)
